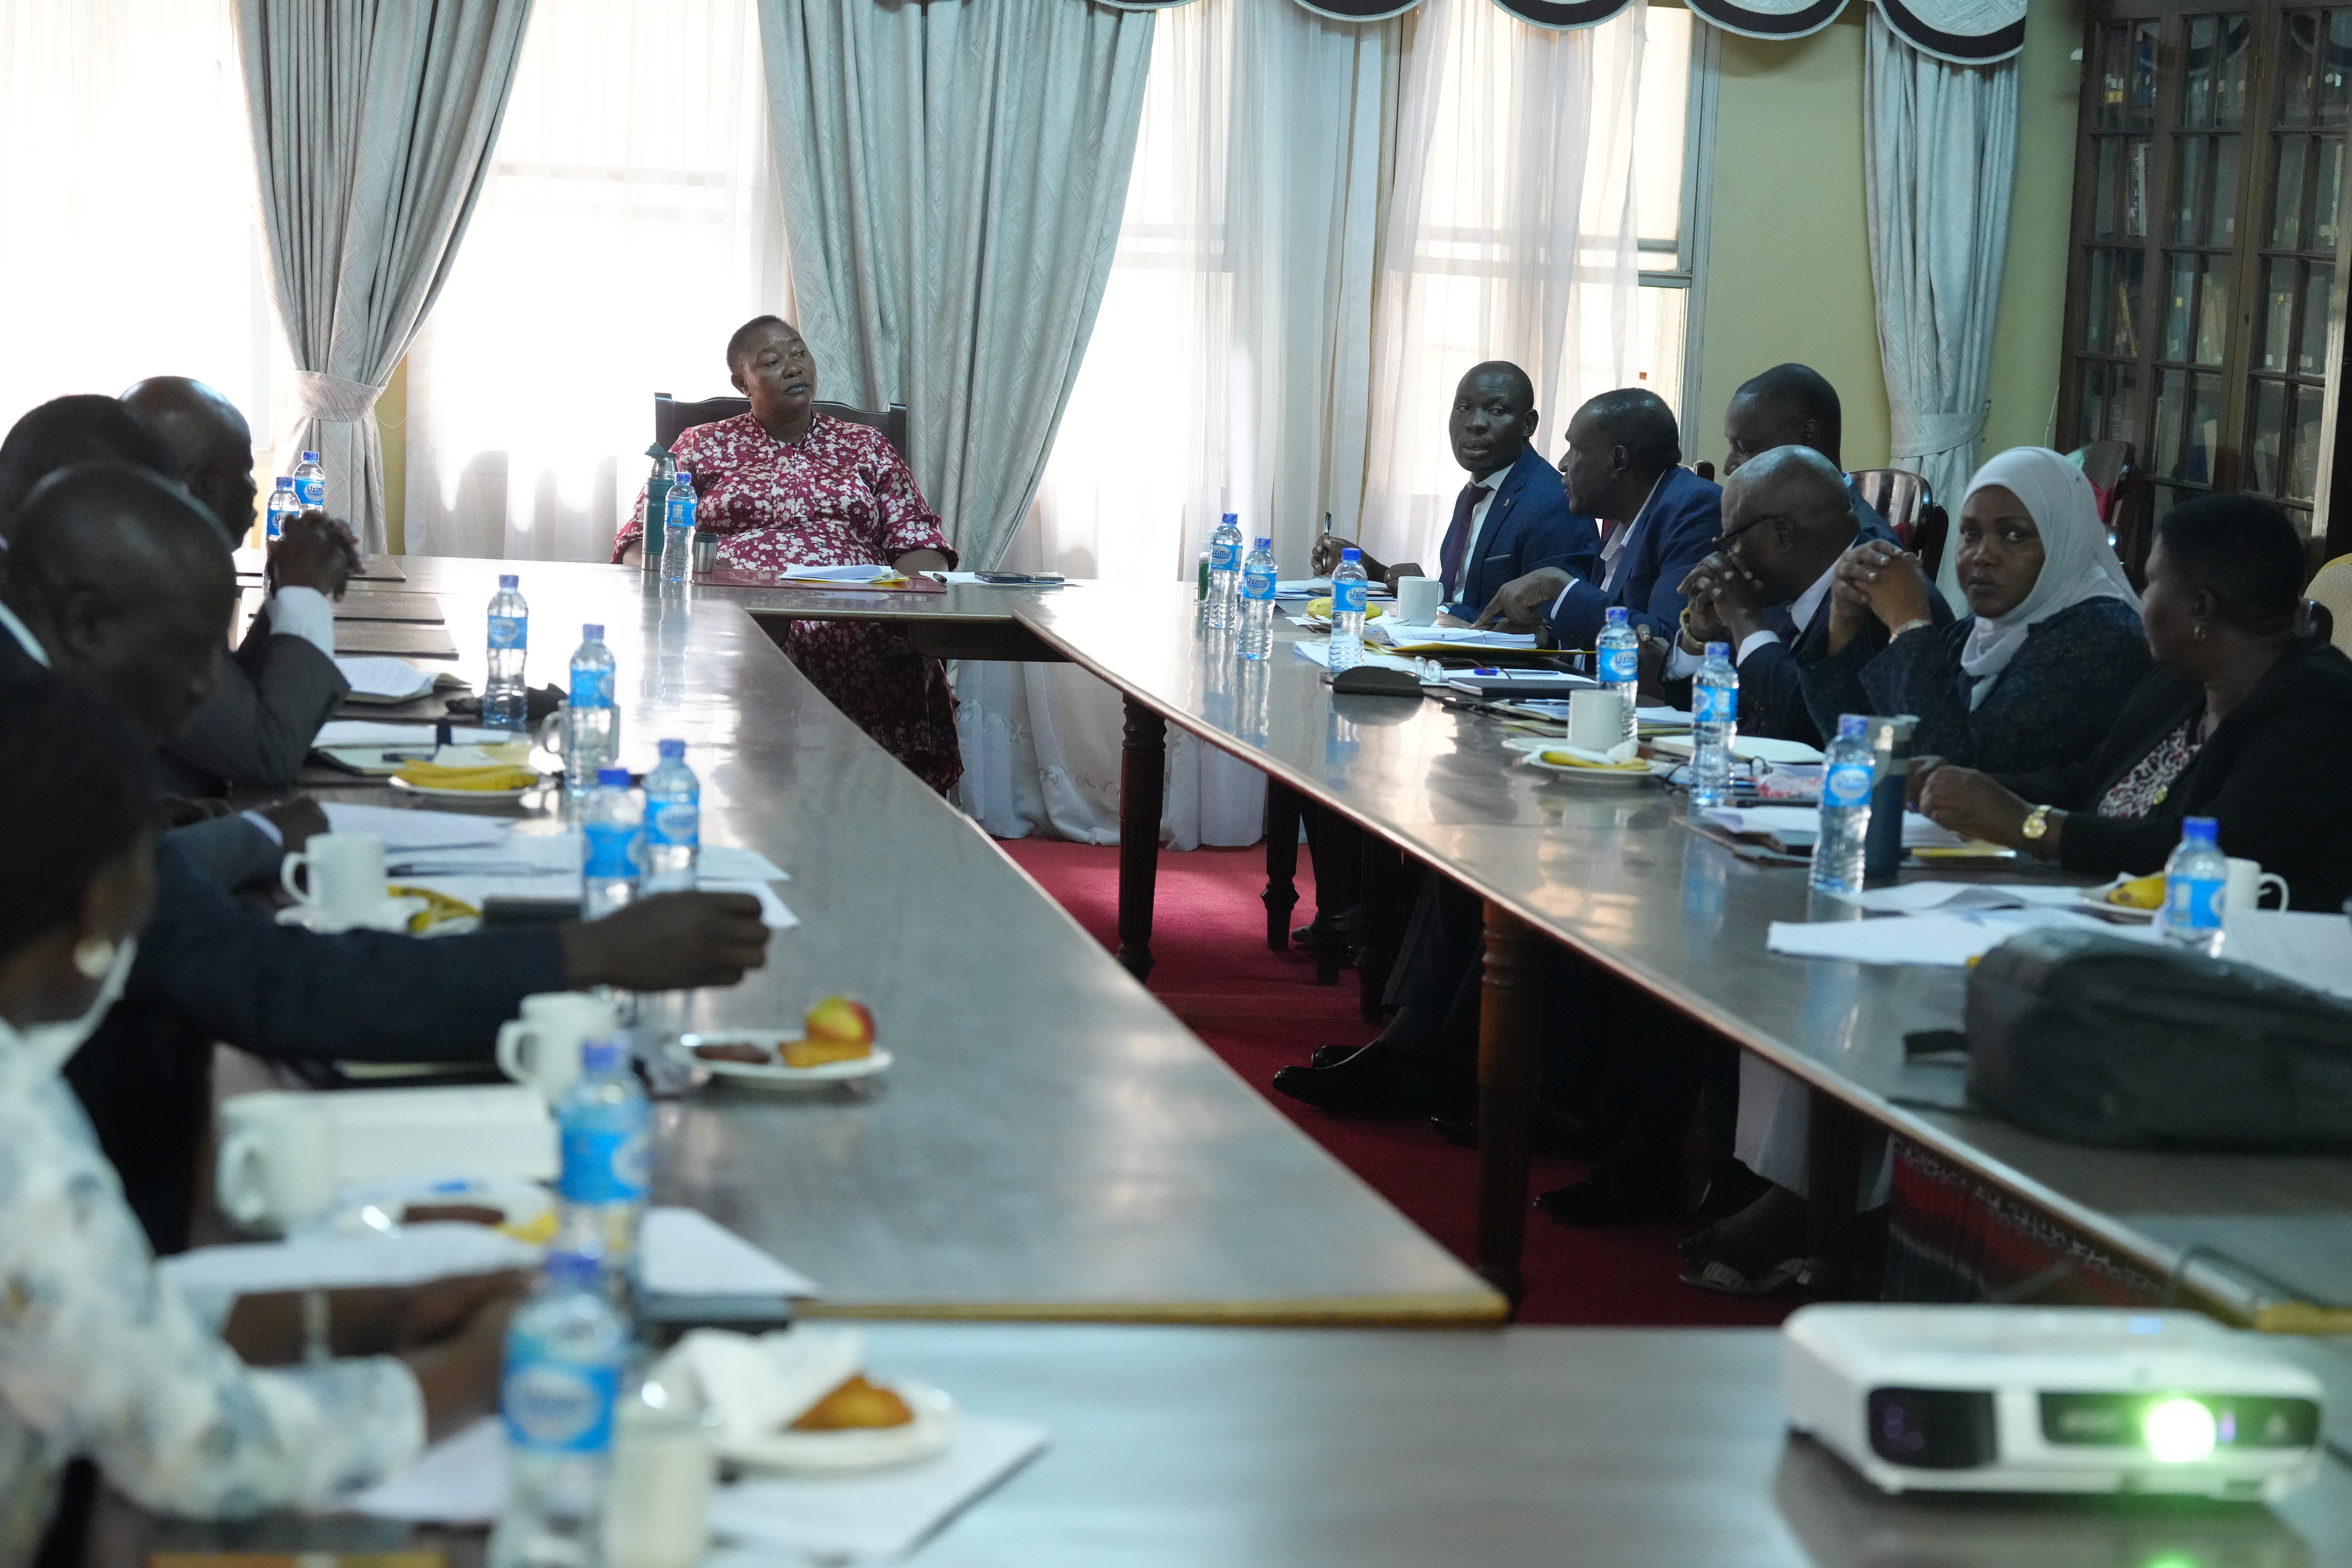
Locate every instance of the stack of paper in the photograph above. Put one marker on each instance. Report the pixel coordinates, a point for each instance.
(378, 679)
(1380, 631)
(1427, 670)
(862, 572)
(1947, 941)
(1914, 897)
(367, 733)
(1792, 823)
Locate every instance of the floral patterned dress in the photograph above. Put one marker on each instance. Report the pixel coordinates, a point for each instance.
(100, 1355)
(842, 498)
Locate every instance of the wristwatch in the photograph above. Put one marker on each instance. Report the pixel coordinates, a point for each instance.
(2037, 822)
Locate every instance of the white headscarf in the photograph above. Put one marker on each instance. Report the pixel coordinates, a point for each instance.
(46, 1047)
(2077, 562)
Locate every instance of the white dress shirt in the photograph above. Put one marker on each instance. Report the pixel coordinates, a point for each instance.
(304, 613)
(1612, 549)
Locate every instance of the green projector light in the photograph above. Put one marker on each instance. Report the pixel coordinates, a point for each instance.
(2178, 1431)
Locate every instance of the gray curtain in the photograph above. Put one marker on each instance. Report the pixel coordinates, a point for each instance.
(372, 125)
(953, 175)
(1939, 143)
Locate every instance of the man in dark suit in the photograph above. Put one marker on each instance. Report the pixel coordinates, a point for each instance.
(272, 694)
(1513, 516)
(116, 576)
(1623, 463)
(1791, 405)
(1788, 519)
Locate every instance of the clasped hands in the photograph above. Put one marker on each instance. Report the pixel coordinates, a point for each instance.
(313, 551)
(1722, 602)
(1876, 578)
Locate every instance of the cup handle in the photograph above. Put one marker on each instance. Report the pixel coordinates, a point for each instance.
(2270, 879)
(240, 1182)
(294, 862)
(514, 1037)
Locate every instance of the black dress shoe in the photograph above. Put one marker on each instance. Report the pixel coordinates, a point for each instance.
(1729, 1190)
(1345, 925)
(1617, 1194)
(1366, 1081)
(1331, 1056)
(1553, 1132)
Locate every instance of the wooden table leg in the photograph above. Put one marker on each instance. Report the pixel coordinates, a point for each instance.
(1281, 895)
(1836, 1134)
(1142, 781)
(1507, 1012)
(1378, 933)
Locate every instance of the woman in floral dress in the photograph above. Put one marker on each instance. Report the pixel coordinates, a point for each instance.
(784, 484)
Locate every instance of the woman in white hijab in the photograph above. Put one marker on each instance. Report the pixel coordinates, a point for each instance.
(2034, 675)
(100, 1356)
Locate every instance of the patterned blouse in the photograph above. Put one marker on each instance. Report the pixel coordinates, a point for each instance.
(2143, 789)
(843, 496)
(100, 1355)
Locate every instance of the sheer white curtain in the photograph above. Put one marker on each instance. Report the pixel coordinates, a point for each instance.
(630, 223)
(126, 166)
(1228, 369)
(1511, 235)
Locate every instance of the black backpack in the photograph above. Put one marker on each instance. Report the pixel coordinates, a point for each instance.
(2091, 1038)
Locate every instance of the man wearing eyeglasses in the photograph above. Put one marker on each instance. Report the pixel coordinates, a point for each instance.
(1764, 589)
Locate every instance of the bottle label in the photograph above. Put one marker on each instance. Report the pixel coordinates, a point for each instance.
(1225, 556)
(678, 511)
(2193, 903)
(509, 631)
(612, 850)
(311, 489)
(678, 824)
(1621, 666)
(1848, 783)
(592, 687)
(558, 1406)
(1715, 704)
(1258, 584)
(1347, 598)
(604, 1164)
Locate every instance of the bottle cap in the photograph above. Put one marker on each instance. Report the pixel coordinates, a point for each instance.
(2202, 828)
(605, 1055)
(506, 579)
(1265, 544)
(1617, 614)
(1351, 555)
(593, 632)
(672, 749)
(1853, 726)
(578, 1270)
(1232, 520)
(310, 457)
(285, 482)
(616, 777)
(684, 478)
(1719, 650)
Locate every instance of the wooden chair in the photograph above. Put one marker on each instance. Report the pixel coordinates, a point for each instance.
(672, 417)
(1704, 470)
(2131, 522)
(1928, 537)
(2103, 463)
(1899, 495)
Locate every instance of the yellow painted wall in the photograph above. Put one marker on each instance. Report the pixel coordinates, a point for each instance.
(1788, 252)
(392, 422)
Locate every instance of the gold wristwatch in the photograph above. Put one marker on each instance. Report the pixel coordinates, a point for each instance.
(2037, 822)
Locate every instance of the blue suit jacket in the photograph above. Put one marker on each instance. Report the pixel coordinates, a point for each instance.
(1529, 525)
(1672, 534)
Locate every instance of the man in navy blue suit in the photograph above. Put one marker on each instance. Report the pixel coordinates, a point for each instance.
(1512, 518)
(1791, 405)
(1623, 463)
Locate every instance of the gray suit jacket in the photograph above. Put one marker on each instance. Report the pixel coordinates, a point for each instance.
(255, 728)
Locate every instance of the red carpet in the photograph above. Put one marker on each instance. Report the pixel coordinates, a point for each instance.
(1262, 1010)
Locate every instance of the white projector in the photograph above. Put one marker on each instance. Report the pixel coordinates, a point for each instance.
(2012, 1399)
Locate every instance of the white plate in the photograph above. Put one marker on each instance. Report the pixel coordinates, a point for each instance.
(468, 793)
(2097, 898)
(1598, 775)
(779, 1076)
(392, 915)
(857, 1448)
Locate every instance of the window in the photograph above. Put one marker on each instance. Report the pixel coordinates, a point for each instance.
(2207, 190)
(1667, 138)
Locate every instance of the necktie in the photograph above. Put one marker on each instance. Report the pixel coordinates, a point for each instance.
(1457, 537)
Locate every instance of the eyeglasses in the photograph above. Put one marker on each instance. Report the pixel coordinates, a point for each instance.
(1726, 537)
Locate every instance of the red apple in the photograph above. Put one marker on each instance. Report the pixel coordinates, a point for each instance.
(840, 1020)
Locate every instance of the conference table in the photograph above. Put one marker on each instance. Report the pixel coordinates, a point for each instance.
(1620, 878)
(1051, 1142)
(1175, 1446)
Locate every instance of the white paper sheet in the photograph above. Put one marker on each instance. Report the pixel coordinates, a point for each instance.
(417, 1253)
(394, 679)
(458, 1480)
(877, 1516)
(684, 1252)
(1918, 833)
(1454, 637)
(1945, 940)
(414, 830)
(375, 732)
(1320, 652)
(2311, 949)
(1910, 898)
(861, 572)
(1748, 748)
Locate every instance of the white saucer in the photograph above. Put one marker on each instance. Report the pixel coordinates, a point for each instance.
(392, 915)
(856, 1449)
(468, 793)
(1600, 776)
(876, 1062)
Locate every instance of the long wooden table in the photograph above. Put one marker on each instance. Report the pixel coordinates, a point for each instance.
(1619, 878)
(1051, 1142)
(1379, 1450)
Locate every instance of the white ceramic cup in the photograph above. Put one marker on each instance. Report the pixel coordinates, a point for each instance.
(346, 881)
(2248, 882)
(1418, 600)
(277, 1166)
(663, 1466)
(541, 1049)
(1596, 720)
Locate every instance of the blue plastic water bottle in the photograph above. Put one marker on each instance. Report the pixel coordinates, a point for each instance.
(678, 529)
(2196, 889)
(611, 824)
(504, 703)
(1349, 593)
(591, 720)
(283, 504)
(1224, 574)
(1715, 722)
(1257, 602)
(1617, 654)
(673, 840)
(310, 483)
(601, 1120)
(566, 1350)
(1848, 774)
